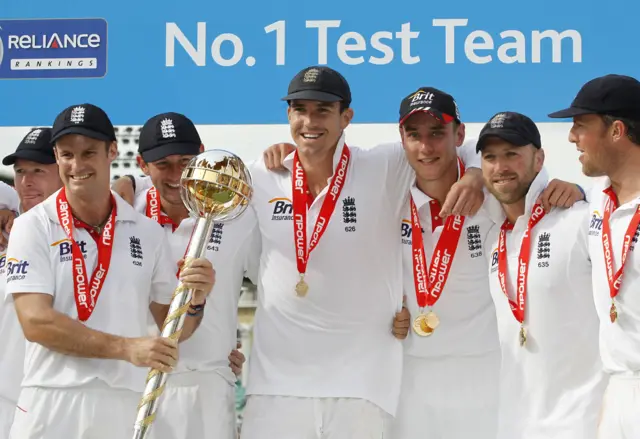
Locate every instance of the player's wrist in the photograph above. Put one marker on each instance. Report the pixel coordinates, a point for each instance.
(196, 310)
(121, 349)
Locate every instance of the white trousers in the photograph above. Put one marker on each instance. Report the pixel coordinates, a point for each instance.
(7, 410)
(620, 417)
(448, 398)
(196, 405)
(287, 417)
(94, 411)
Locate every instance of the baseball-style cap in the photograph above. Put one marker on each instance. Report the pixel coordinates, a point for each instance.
(430, 100)
(86, 120)
(319, 83)
(515, 128)
(36, 146)
(612, 95)
(168, 134)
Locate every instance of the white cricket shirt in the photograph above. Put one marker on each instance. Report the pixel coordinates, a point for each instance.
(552, 387)
(336, 341)
(619, 341)
(12, 341)
(233, 249)
(465, 308)
(39, 261)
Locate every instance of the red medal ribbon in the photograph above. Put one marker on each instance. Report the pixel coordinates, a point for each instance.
(615, 280)
(87, 292)
(428, 289)
(154, 210)
(300, 206)
(518, 307)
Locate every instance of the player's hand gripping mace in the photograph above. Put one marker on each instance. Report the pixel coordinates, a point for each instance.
(215, 186)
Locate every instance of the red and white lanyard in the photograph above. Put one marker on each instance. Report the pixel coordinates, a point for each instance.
(615, 280)
(300, 208)
(518, 307)
(429, 286)
(87, 291)
(154, 209)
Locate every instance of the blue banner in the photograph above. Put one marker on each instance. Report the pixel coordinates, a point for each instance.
(36, 49)
(231, 62)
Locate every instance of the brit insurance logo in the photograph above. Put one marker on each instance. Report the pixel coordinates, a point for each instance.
(282, 209)
(53, 48)
(65, 249)
(16, 269)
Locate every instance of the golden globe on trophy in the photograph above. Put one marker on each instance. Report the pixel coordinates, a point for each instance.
(216, 186)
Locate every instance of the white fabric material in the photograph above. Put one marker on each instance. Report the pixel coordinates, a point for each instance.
(465, 308)
(234, 251)
(7, 411)
(41, 253)
(8, 197)
(621, 409)
(619, 341)
(284, 417)
(336, 342)
(196, 405)
(12, 343)
(448, 398)
(92, 411)
(552, 387)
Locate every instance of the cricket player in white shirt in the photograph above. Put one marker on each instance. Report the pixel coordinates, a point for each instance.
(452, 354)
(324, 362)
(459, 362)
(551, 380)
(606, 131)
(36, 178)
(85, 341)
(199, 399)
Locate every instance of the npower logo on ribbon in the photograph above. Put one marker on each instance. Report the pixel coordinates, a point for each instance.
(53, 48)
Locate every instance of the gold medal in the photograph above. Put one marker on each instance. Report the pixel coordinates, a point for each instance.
(523, 336)
(302, 288)
(613, 312)
(421, 327)
(432, 320)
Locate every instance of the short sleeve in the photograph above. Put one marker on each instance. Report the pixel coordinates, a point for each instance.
(8, 197)
(468, 155)
(28, 264)
(142, 184)
(400, 176)
(253, 248)
(164, 279)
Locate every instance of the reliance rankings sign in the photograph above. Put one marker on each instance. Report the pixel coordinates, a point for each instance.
(231, 62)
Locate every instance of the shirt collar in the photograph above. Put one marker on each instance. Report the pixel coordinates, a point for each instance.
(602, 186)
(494, 208)
(420, 198)
(125, 211)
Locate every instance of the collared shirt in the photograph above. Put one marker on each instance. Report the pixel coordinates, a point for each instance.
(234, 250)
(39, 261)
(619, 341)
(336, 341)
(552, 386)
(465, 308)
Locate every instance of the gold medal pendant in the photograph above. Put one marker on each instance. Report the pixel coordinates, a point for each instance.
(421, 327)
(302, 288)
(613, 312)
(432, 320)
(523, 336)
